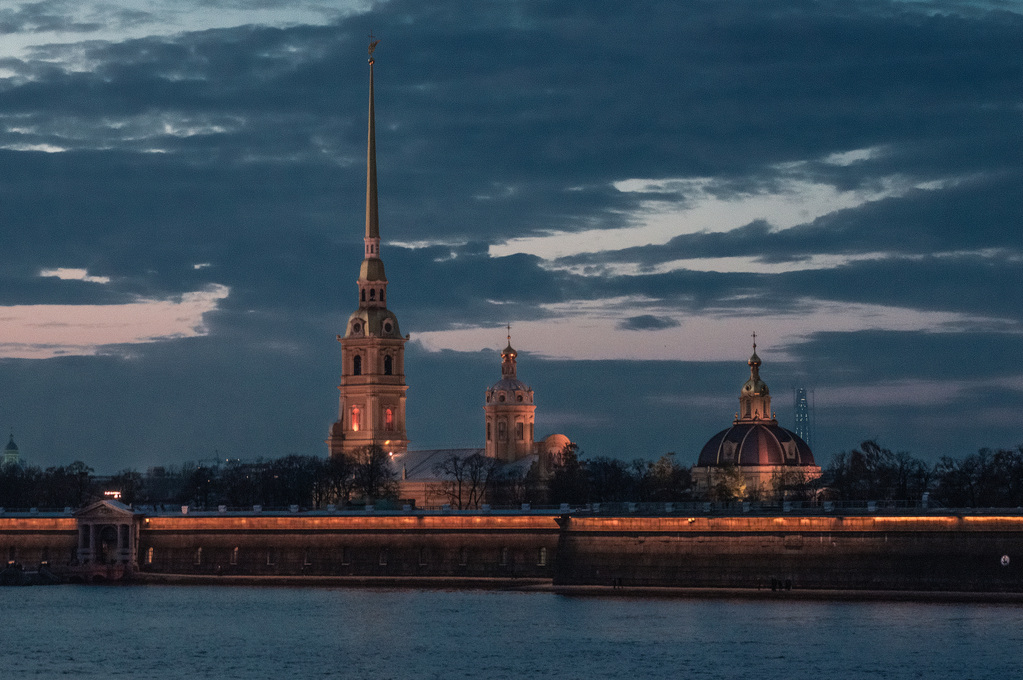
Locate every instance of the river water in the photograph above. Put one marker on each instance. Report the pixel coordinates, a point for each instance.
(267, 632)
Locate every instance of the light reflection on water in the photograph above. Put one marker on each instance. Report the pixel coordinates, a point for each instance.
(240, 632)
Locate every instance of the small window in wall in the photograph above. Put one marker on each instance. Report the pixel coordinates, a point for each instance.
(198, 557)
(307, 558)
(234, 556)
(519, 431)
(388, 365)
(463, 556)
(541, 557)
(372, 293)
(422, 556)
(346, 555)
(356, 419)
(488, 432)
(382, 557)
(363, 295)
(388, 419)
(382, 297)
(504, 557)
(149, 555)
(357, 365)
(502, 431)
(271, 557)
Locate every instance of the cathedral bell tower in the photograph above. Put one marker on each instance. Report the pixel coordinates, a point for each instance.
(509, 412)
(372, 401)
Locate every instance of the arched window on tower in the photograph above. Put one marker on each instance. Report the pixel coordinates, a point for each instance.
(381, 294)
(372, 293)
(388, 365)
(364, 295)
(502, 431)
(357, 365)
(356, 419)
(389, 419)
(519, 431)
(488, 432)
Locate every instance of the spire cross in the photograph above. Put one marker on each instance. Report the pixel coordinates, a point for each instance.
(509, 334)
(754, 340)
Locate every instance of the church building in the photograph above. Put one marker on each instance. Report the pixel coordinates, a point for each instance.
(371, 408)
(755, 456)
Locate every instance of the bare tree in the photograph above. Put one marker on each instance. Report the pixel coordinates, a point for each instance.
(468, 479)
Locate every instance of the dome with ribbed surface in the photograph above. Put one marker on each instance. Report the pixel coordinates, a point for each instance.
(755, 444)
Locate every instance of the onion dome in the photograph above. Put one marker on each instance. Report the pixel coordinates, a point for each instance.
(509, 389)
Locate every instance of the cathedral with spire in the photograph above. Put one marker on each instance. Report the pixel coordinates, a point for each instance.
(371, 405)
(372, 400)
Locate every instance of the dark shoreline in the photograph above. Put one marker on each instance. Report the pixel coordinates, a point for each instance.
(546, 586)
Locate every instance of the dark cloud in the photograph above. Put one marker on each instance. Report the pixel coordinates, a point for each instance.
(242, 148)
(37, 17)
(647, 322)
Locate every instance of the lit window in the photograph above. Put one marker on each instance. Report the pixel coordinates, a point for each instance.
(388, 419)
(149, 555)
(234, 556)
(355, 419)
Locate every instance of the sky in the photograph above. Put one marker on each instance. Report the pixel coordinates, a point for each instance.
(182, 195)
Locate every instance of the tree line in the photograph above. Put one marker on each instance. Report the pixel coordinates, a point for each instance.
(988, 478)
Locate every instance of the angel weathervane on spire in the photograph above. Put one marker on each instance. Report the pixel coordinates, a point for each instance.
(373, 42)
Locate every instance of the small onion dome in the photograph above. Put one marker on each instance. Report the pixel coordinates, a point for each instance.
(755, 444)
(11, 446)
(509, 352)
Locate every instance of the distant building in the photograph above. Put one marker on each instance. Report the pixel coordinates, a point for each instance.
(802, 409)
(754, 456)
(12, 456)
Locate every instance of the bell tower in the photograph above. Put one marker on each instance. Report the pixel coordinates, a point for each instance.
(509, 412)
(372, 400)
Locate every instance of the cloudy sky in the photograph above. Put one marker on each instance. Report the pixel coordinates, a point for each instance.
(634, 189)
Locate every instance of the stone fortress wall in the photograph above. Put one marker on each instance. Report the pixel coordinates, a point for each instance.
(938, 551)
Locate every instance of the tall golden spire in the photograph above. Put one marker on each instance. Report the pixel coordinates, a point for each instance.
(372, 217)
